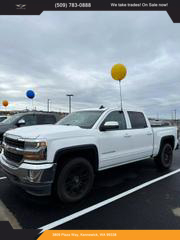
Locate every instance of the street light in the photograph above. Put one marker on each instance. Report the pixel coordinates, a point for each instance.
(69, 96)
(48, 104)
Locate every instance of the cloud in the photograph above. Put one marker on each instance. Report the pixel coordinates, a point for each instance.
(72, 52)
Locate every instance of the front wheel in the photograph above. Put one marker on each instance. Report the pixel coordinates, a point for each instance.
(165, 157)
(75, 180)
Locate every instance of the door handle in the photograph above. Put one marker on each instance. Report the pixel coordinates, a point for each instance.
(127, 135)
(149, 134)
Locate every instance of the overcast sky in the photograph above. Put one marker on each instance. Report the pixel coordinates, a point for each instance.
(72, 52)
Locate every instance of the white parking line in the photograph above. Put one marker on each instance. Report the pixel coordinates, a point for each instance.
(1, 178)
(103, 203)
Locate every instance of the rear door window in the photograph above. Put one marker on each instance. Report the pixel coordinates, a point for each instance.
(137, 120)
(46, 119)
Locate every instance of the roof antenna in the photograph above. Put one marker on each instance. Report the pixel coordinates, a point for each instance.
(101, 107)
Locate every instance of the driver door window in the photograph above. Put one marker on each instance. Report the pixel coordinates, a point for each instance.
(116, 116)
(29, 120)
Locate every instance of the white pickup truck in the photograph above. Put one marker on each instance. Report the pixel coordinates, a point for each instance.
(64, 158)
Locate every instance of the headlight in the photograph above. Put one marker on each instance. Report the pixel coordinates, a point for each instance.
(35, 145)
(34, 150)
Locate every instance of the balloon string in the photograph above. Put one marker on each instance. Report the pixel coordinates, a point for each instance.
(120, 94)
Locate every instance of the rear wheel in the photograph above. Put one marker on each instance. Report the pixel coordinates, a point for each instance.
(165, 157)
(75, 180)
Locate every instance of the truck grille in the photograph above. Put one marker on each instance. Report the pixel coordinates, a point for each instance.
(16, 158)
(13, 150)
(14, 143)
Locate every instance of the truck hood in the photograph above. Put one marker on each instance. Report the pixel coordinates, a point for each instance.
(44, 131)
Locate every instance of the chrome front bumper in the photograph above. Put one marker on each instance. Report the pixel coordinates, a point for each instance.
(36, 178)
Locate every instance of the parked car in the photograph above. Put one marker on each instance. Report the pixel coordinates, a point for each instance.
(63, 159)
(26, 119)
(2, 118)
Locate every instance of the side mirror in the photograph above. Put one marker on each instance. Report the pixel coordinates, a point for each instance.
(21, 123)
(111, 125)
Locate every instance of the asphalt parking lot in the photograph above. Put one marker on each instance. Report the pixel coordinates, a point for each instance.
(135, 196)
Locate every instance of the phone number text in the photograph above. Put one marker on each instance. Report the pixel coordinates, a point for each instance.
(72, 5)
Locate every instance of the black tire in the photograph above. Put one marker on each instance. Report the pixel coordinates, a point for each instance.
(75, 180)
(165, 157)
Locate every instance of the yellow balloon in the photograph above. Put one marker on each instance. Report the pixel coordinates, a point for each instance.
(118, 72)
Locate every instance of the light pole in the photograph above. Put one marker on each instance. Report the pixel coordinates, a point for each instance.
(175, 116)
(69, 96)
(48, 104)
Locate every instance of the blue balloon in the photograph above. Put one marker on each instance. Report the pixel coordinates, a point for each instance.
(30, 94)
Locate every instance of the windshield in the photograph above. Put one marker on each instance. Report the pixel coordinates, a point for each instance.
(83, 119)
(11, 119)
